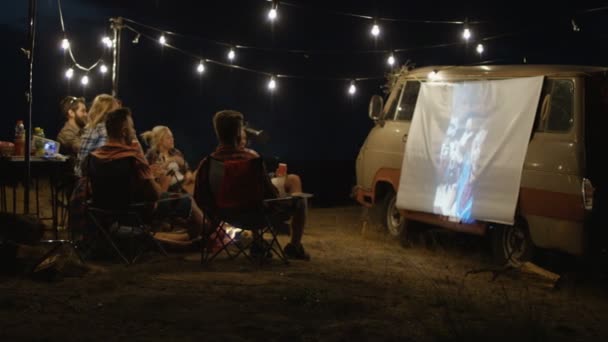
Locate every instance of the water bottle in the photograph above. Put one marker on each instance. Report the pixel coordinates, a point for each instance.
(19, 139)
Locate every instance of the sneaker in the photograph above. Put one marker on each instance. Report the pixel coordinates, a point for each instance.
(296, 252)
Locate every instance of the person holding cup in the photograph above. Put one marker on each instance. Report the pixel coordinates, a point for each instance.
(229, 129)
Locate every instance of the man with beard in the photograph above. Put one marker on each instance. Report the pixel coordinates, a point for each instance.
(75, 113)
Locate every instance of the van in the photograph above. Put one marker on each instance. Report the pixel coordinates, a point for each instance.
(561, 171)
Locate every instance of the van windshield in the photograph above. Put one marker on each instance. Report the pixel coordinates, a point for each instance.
(407, 101)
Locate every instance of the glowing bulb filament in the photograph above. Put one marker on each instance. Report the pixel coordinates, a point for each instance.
(103, 69)
(162, 40)
(272, 14)
(84, 80)
(479, 49)
(69, 73)
(391, 60)
(466, 34)
(231, 55)
(272, 84)
(107, 41)
(200, 68)
(375, 30)
(352, 89)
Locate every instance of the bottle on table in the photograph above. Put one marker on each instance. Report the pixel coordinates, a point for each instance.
(19, 139)
(38, 144)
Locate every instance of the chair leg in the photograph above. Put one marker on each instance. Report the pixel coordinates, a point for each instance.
(147, 236)
(108, 238)
(275, 242)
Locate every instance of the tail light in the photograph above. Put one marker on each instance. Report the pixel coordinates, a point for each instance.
(587, 190)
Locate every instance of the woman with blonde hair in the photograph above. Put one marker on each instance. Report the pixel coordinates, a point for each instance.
(94, 134)
(164, 158)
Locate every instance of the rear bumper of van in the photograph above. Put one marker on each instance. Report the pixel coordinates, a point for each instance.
(362, 196)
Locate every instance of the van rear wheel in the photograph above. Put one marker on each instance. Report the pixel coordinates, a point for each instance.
(394, 222)
(512, 244)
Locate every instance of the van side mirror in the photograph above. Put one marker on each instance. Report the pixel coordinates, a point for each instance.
(376, 106)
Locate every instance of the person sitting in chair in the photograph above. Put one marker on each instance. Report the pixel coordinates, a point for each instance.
(145, 188)
(169, 160)
(228, 125)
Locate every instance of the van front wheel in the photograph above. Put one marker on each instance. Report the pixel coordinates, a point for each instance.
(393, 220)
(512, 244)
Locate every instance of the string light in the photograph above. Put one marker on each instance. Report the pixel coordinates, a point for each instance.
(231, 55)
(466, 34)
(162, 40)
(272, 13)
(375, 30)
(200, 68)
(433, 75)
(69, 73)
(352, 89)
(480, 48)
(103, 69)
(272, 84)
(84, 80)
(575, 27)
(107, 41)
(391, 60)
(65, 44)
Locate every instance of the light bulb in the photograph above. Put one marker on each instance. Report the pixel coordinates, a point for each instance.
(479, 49)
(466, 34)
(391, 60)
(65, 44)
(84, 80)
(375, 30)
(272, 84)
(200, 68)
(162, 40)
(69, 73)
(272, 14)
(352, 89)
(107, 41)
(103, 69)
(231, 55)
(433, 75)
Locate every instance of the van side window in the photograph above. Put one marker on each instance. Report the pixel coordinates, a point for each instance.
(405, 109)
(556, 107)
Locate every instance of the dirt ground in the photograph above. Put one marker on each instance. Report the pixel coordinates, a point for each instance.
(359, 285)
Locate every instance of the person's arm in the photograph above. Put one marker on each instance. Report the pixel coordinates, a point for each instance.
(156, 188)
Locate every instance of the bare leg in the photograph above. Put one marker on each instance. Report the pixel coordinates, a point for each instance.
(298, 221)
(293, 185)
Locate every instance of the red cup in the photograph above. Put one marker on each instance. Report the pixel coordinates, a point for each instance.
(281, 170)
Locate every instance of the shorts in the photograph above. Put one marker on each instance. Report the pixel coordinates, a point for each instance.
(172, 204)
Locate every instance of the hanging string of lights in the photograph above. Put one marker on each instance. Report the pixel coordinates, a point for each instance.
(391, 60)
(201, 62)
(66, 46)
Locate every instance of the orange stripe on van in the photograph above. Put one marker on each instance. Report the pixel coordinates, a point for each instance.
(551, 204)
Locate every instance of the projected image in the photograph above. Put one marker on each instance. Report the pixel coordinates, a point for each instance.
(458, 167)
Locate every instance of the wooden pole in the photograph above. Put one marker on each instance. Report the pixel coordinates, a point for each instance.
(117, 24)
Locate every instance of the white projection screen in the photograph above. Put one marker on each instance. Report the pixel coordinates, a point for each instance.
(466, 148)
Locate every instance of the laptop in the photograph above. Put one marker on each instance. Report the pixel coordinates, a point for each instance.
(51, 147)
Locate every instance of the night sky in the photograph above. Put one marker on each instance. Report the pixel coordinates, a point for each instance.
(315, 126)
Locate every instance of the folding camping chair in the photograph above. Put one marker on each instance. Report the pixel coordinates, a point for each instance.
(115, 209)
(233, 192)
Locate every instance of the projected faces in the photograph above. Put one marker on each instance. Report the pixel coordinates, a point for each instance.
(459, 158)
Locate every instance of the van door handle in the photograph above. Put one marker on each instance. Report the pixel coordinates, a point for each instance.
(404, 139)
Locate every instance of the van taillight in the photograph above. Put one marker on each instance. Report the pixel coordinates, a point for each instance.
(587, 190)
